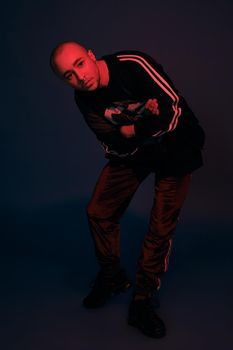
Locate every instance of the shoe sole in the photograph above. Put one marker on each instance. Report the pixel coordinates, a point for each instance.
(137, 325)
(122, 288)
(119, 290)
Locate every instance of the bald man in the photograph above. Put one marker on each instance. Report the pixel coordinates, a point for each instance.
(144, 126)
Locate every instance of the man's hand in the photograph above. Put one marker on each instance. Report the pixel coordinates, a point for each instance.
(127, 131)
(152, 107)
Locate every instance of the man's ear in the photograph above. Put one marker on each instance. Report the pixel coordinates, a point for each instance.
(91, 55)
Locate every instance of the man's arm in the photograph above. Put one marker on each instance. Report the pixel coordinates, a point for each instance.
(148, 79)
(110, 136)
(151, 109)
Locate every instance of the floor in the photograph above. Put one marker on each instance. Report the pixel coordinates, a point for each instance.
(43, 281)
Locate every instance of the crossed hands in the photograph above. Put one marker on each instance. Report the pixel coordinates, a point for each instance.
(151, 108)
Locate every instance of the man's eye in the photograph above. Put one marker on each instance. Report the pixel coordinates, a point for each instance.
(68, 77)
(80, 64)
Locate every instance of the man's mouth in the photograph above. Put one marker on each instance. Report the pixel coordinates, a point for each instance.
(87, 83)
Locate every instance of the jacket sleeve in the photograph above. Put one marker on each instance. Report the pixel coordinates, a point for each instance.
(148, 80)
(112, 141)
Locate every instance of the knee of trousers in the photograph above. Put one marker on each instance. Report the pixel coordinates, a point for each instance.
(163, 228)
(96, 212)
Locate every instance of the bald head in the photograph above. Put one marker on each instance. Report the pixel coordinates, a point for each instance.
(60, 48)
(76, 65)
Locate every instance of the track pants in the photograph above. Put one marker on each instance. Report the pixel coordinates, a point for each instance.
(113, 192)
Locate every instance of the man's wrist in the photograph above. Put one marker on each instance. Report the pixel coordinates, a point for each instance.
(127, 131)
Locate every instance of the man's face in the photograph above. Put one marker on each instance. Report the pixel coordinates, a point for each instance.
(77, 67)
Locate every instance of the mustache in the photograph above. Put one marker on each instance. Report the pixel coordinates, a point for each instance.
(85, 82)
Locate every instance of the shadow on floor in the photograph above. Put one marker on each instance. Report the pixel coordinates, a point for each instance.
(47, 262)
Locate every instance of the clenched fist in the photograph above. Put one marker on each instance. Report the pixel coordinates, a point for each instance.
(152, 107)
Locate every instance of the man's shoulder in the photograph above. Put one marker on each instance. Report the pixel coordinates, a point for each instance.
(127, 54)
(130, 52)
(131, 61)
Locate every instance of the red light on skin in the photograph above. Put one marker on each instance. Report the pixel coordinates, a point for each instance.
(79, 67)
(88, 84)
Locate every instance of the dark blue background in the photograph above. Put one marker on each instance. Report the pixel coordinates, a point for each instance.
(51, 160)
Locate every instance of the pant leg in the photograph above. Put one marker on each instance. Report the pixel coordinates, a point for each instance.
(113, 192)
(170, 194)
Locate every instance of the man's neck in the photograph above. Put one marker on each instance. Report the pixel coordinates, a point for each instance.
(104, 73)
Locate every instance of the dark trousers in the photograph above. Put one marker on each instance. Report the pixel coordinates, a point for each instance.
(113, 192)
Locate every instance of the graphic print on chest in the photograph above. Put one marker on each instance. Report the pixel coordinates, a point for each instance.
(124, 112)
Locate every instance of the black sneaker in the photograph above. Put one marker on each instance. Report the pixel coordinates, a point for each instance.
(104, 287)
(142, 316)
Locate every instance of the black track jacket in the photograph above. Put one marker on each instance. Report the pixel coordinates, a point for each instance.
(171, 141)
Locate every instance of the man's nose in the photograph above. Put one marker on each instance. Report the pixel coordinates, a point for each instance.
(80, 75)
